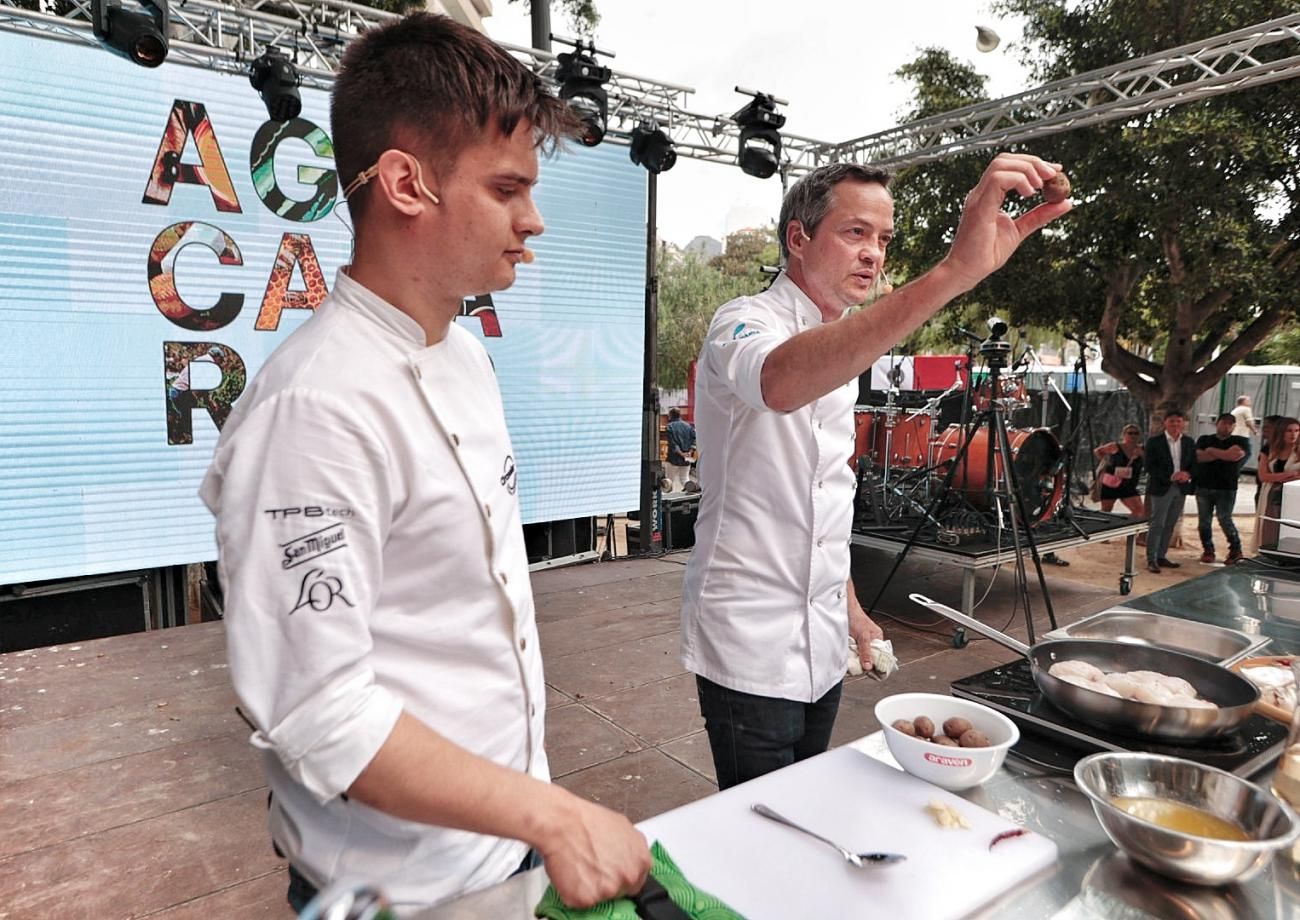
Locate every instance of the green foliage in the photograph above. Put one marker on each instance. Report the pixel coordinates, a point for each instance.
(691, 290)
(1282, 348)
(1187, 242)
(746, 252)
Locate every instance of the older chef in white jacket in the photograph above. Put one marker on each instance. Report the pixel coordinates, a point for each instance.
(768, 605)
(381, 626)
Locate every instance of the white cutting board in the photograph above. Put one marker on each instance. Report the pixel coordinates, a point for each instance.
(769, 872)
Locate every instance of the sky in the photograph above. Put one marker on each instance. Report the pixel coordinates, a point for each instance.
(834, 63)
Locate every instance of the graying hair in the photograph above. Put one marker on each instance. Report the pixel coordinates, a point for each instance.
(810, 199)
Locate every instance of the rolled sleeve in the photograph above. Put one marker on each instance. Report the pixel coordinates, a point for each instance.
(328, 740)
(303, 506)
(739, 341)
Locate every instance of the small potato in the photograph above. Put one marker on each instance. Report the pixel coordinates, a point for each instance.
(905, 726)
(945, 741)
(924, 727)
(974, 738)
(956, 727)
(1056, 188)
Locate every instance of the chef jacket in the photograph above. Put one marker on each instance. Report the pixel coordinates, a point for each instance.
(373, 561)
(764, 609)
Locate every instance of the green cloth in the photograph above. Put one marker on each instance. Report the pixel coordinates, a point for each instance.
(699, 905)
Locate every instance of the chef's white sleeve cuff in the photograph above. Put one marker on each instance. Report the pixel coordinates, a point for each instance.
(330, 738)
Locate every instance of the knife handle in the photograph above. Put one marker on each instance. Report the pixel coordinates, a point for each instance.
(652, 902)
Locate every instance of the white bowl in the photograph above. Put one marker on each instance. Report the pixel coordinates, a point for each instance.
(953, 768)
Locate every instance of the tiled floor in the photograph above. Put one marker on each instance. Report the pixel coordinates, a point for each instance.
(127, 787)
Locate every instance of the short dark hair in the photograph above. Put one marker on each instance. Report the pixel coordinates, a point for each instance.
(1173, 413)
(429, 83)
(1226, 417)
(674, 414)
(810, 198)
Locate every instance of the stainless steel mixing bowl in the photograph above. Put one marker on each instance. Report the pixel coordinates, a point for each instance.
(1269, 823)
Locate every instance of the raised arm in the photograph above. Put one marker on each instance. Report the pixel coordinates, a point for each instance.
(811, 364)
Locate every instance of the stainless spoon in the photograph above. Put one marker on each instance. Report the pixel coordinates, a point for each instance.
(861, 860)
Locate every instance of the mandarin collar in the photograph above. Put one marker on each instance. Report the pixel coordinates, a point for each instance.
(356, 296)
(793, 296)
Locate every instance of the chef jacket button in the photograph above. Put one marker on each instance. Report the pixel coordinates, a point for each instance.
(504, 579)
(532, 709)
(487, 509)
(821, 542)
(820, 425)
(455, 439)
(821, 483)
(523, 643)
(839, 594)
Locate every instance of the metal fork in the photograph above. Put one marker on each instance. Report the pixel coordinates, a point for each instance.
(861, 860)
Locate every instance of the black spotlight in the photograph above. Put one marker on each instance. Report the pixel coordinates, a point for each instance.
(274, 76)
(760, 137)
(582, 85)
(652, 148)
(139, 37)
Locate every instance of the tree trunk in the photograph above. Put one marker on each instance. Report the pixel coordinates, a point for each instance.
(1188, 370)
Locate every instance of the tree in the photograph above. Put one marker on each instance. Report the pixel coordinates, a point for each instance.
(691, 290)
(582, 14)
(1185, 253)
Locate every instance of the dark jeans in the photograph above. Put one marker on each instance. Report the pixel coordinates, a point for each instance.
(301, 891)
(752, 735)
(1216, 503)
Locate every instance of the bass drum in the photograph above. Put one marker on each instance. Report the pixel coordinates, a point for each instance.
(864, 420)
(1036, 456)
(905, 444)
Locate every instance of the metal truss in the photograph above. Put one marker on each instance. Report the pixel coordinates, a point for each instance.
(226, 35)
(1224, 64)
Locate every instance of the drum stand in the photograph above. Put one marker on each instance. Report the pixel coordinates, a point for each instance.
(995, 351)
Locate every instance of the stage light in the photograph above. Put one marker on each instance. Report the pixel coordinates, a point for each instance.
(652, 148)
(139, 37)
(582, 84)
(760, 136)
(274, 76)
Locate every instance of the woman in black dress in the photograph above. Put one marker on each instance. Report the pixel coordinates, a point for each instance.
(1120, 469)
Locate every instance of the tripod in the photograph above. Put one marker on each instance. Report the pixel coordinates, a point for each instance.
(1006, 498)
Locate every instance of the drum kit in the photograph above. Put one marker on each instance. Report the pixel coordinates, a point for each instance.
(908, 453)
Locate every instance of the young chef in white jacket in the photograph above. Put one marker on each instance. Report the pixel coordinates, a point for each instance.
(380, 619)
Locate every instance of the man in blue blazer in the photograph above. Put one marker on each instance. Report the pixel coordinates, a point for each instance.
(1169, 461)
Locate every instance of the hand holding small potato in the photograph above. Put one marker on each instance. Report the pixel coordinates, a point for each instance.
(1056, 188)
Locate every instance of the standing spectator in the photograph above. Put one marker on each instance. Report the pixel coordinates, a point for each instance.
(1245, 426)
(1243, 419)
(681, 444)
(1219, 458)
(1120, 471)
(1169, 459)
(1280, 465)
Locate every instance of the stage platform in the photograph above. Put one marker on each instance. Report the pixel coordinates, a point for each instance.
(984, 553)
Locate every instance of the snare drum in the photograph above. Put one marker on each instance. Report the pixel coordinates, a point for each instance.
(1035, 453)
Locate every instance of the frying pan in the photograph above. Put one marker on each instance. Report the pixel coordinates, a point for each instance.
(1233, 694)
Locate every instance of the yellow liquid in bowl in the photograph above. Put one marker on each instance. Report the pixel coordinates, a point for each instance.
(1175, 816)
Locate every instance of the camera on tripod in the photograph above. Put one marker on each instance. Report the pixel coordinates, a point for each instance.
(996, 350)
